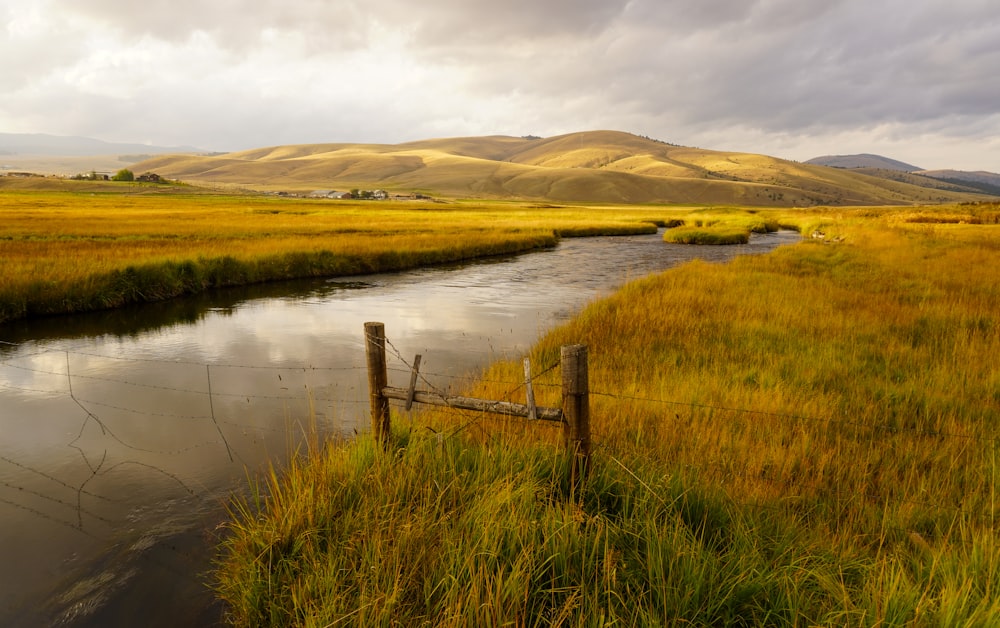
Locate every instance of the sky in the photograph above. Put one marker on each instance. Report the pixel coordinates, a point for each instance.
(914, 80)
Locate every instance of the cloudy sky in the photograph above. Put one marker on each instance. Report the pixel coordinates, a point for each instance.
(916, 80)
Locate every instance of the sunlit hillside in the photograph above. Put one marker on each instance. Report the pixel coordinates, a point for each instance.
(594, 166)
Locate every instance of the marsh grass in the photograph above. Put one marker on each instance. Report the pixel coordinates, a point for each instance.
(64, 252)
(806, 438)
(723, 225)
(707, 235)
(453, 533)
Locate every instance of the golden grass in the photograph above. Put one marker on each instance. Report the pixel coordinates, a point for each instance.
(597, 166)
(860, 372)
(64, 252)
(803, 438)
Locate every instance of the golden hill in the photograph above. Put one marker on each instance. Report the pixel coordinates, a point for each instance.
(594, 166)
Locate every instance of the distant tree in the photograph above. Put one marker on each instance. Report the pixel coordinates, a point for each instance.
(124, 175)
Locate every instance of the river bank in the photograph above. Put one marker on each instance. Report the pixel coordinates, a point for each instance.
(65, 253)
(805, 437)
(127, 431)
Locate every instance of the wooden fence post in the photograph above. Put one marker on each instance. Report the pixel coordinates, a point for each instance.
(414, 373)
(378, 379)
(532, 408)
(576, 407)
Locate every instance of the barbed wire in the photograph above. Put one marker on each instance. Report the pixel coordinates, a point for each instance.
(425, 377)
(783, 484)
(40, 493)
(798, 417)
(264, 367)
(507, 396)
(469, 420)
(829, 493)
(161, 387)
(46, 516)
(56, 480)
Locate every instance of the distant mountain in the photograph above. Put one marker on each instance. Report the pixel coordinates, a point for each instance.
(988, 182)
(949, 180)
(922, 180)
(68, 146)
(592, 166)
(863, 160)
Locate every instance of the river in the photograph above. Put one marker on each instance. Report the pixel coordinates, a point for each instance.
(126, 432)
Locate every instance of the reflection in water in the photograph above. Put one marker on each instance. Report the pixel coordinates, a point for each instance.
(125, 431)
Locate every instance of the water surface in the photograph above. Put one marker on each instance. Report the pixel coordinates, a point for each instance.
(125, 433)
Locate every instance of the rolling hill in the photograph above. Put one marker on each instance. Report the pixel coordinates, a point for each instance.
(593, 166)
(73, 146)
(879, 166)
(69, 155)
(986, 182)
(863, 160)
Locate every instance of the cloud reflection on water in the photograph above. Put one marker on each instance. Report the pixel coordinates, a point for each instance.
(141, 441)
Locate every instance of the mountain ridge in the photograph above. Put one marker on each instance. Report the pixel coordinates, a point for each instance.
(863, 160)
(78, 146)
(876, 165)
(589, 166)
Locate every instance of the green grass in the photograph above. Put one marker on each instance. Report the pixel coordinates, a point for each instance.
(807, 438)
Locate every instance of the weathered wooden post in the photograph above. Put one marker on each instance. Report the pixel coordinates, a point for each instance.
(414, 373)
(378, 379)
(576, 408)
(532, 408)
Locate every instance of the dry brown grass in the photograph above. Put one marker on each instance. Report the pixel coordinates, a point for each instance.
(598, 166)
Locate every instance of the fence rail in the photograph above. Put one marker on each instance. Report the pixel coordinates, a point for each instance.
(507, 408)
(574, 414)
(60, 379)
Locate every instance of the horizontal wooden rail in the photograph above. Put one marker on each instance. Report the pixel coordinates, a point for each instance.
(469, 403)
(574, 414)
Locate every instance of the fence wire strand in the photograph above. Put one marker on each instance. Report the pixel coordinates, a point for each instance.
(97, 461)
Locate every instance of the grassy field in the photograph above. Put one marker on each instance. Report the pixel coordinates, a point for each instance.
(807, 438)
(106, 245)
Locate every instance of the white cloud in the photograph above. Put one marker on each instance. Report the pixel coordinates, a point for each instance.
(717, 73)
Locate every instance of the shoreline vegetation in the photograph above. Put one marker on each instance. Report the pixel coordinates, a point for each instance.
(807, 437)
(719, 226)
(65, 253)
(99, 248)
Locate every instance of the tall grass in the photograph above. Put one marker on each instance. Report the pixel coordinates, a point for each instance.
(798, 439)
(456, 534)
(721, 225)
(64, 252)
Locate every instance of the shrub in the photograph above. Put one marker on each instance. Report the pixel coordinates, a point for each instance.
(123, 175)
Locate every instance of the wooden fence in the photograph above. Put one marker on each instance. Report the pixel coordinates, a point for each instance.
(574, 413)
